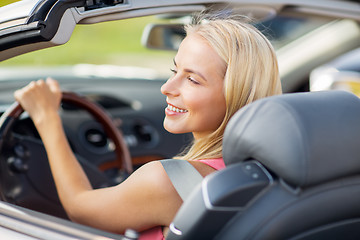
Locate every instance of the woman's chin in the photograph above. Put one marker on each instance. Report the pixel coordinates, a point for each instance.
(173, 129)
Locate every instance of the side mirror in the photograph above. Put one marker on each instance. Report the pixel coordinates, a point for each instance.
(163, 36)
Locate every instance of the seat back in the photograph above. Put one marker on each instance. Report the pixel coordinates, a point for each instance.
(293, 171)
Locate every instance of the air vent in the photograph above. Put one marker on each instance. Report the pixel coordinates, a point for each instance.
(145, 133)
(96, 138)
(93, 138)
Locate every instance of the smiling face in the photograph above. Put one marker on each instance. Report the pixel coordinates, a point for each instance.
(195, 92)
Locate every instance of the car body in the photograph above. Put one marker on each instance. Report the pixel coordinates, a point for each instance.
(306, 35)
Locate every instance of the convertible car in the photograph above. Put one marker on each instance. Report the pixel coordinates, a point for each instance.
(293, 161)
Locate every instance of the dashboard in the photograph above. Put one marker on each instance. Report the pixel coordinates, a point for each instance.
(135, 105)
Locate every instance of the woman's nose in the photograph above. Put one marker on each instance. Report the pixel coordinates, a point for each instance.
(170, 87)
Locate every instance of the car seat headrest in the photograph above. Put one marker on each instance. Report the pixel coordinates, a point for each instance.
(304, 138)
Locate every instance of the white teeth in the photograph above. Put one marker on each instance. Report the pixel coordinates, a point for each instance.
(175, 109)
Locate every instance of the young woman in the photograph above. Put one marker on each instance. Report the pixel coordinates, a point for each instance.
(221, 65)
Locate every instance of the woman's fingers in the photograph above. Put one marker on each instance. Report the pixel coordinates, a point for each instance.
(39, 97)
(53, 85)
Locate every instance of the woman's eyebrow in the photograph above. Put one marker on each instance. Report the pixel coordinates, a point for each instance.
(195, 72)
(191, 71)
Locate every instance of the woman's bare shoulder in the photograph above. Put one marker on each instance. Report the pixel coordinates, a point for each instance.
(156, 190)
(152, 173)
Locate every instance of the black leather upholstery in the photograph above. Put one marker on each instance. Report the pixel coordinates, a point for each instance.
(305, 138)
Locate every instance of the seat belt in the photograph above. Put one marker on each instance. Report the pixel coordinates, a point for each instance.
(183, 176)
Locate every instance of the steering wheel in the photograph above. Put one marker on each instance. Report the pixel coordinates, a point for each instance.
(25, 175)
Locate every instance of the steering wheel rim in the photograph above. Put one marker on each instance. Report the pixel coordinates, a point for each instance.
(122, 152)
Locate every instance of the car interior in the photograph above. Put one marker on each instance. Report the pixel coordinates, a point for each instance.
(292, 160)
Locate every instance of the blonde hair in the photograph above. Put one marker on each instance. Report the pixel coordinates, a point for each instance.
(251, 73)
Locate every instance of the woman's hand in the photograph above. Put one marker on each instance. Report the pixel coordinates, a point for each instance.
(39, 99)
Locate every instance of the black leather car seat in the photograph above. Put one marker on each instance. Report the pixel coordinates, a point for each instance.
(293, 172)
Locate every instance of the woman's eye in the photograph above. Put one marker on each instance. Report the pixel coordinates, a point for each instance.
(173, 71)
(192, 80)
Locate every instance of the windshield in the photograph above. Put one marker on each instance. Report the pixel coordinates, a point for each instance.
(114, 47)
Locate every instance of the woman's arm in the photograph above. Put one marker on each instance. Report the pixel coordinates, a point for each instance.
(146, 199)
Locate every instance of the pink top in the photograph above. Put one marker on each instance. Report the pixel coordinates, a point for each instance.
(156, 233)
(216, 163)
